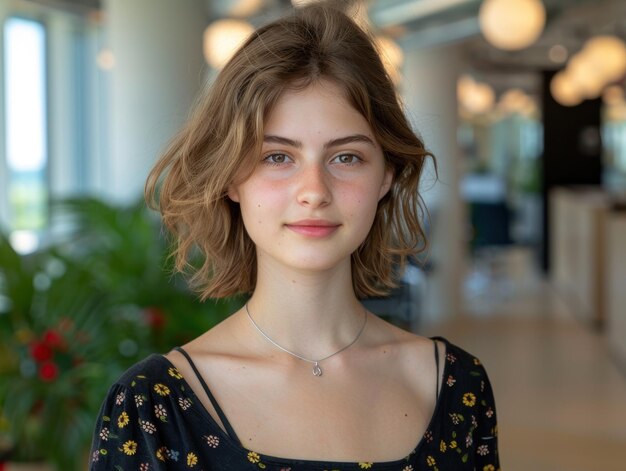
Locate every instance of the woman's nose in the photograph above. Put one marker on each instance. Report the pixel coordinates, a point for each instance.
(313, 187)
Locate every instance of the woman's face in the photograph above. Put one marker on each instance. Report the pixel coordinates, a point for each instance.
(312, 198)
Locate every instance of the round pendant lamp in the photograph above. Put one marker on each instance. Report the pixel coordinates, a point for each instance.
(222, 38)
(564, 90)
(607, 54)
(512, 24)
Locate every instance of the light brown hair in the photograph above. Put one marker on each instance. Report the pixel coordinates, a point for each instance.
(222, 139)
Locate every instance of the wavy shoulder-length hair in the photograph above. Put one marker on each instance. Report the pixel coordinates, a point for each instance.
(223, 138)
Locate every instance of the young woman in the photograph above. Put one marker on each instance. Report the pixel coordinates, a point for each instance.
(297, 178)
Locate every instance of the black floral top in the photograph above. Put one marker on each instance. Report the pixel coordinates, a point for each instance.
(152, 420)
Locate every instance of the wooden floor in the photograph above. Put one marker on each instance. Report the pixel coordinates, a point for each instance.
(561, 399)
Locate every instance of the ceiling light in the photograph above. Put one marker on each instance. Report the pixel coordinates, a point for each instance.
(564, 90)
(512, 24)
(513, 100)
(475, 97)
(608, 54)
(222, 38)
(588, 78)
(558, 54)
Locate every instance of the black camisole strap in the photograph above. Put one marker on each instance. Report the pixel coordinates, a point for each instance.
(218, 409)
(437, 366)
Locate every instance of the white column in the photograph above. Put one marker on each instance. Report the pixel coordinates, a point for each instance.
(429, 91)
(62, 99)
(158, 70)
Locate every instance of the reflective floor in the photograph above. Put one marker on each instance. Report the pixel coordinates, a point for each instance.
(561, 397)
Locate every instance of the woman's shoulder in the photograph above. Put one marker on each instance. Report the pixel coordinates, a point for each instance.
(154, 376)
(456, 354)
(153, 368)
(458, 362)
(465, 381)
(143, 416)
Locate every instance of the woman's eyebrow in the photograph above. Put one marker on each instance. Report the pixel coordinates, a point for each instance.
(348, 140)
(333, 143)
(282, 140)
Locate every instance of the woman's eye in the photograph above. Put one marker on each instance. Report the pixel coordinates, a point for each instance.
(348, 159)
(276, 159)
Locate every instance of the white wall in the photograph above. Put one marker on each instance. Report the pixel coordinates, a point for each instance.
(429, 91)
(158, 70)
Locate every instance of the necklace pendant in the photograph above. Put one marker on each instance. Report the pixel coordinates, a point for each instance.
(317, 371)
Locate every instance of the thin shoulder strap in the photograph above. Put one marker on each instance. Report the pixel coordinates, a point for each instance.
(437, 365)
(218, 409)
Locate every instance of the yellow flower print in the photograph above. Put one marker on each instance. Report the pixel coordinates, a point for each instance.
(365, 465)
(442, 446)
(161, 389)
(130, 447)
(122, 420)
(253, 457)
(453, 444)
(161, 453)
(489, 467)
(430, 461)
(174, 373)
(469, 399)
(192, 460)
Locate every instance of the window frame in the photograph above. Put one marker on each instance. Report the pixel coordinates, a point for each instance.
(75, 95)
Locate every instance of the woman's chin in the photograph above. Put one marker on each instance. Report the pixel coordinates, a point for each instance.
(316, 264)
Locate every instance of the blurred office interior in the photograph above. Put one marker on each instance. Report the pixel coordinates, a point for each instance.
(522, 103)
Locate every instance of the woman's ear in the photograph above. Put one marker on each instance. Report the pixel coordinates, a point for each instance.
(387, 181)
(232, 193)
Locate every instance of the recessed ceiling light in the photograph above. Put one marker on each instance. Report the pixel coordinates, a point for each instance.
(558, 54)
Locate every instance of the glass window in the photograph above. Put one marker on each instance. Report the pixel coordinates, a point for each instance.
(26, 141)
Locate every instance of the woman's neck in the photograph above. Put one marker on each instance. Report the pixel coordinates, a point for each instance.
(312, 314)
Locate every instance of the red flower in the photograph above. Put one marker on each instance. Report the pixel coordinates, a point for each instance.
(54, 340)
(48, 371)
(40, 351)
(154, 317)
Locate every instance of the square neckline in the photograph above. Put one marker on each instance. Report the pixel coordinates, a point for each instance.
(238, 447)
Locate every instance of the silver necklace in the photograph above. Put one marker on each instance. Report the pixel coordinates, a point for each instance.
(317, 370)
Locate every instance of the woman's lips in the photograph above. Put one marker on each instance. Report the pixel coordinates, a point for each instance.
(313, 230)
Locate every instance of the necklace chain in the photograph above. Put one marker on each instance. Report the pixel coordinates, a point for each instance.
(317, 370)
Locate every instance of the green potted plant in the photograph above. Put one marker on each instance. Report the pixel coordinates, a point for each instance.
(50, 363)
(75, 315)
